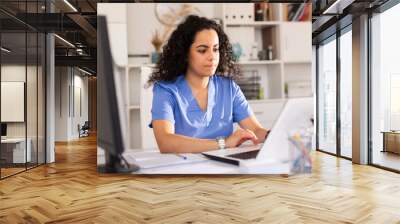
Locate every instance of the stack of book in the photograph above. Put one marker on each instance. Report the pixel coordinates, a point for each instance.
(249, 83)
(263, 12)
(298, 12)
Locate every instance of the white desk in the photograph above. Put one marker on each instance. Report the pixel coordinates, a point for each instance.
(200, 165)
(18, 150)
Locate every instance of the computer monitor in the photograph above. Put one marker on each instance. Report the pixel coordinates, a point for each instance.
(110, 134)
(3, 129)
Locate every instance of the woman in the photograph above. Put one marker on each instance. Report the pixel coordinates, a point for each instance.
(195, 100)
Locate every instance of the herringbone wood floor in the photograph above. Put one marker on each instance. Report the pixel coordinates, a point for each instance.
(71, 191)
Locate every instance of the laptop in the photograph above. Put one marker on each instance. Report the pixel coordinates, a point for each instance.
(296, 114)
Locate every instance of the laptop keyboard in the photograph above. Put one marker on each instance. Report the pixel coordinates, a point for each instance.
(245, 155)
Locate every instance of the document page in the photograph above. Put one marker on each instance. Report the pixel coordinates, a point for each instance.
(153, 159)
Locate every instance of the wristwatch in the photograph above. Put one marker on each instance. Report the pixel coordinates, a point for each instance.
(221, 142)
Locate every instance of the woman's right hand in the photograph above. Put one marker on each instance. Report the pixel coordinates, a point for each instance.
(240, 136)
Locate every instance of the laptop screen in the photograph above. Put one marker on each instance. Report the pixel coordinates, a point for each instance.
(296, 114)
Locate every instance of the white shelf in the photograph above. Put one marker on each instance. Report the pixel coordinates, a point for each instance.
(297, 62)
(134, 107)
(141, 65)
(263, 62)
(256, 24)
(299, 22)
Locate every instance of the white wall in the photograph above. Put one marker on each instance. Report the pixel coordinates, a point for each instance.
(140, 32)
(14, 73)
(68, 80)
(129, 34)
(61, 103)
(33, 126)
(80, 83)
(116, 14)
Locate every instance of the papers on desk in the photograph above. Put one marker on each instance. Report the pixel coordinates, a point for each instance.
(155, 159)
(153, 162)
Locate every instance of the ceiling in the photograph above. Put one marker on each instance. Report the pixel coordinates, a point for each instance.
(331, 15)
(75, 21)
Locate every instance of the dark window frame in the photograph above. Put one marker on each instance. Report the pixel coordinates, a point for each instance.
(340, 31)
(30, 29)
(382, 8)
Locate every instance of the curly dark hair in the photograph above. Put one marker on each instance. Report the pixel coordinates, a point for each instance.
(173, 59)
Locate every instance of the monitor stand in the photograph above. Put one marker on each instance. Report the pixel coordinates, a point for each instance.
(116, 164)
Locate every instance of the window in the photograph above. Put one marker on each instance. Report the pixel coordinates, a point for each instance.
(327, 96)
(394, 101)
(346, 93)
(22, 77)
(385, 89)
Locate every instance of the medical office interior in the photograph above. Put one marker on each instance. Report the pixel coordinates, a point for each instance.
(275, 67)
(340, 53)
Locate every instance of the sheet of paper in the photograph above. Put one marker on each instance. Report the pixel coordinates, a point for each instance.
(146, 160)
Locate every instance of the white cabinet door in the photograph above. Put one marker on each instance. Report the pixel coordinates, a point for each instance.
(146, 100)
(267, 112)
(296, 42)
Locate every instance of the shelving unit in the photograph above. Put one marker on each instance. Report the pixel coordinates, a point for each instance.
(286, 38)
(138, 106)
(291, 64)
(256, 24)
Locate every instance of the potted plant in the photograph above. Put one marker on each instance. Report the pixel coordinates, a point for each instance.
(157, 42)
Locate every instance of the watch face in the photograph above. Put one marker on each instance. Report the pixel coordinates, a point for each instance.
(221, 142)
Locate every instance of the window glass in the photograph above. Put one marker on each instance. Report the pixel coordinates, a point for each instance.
(385, 84)
(327, 97)
(346, 94)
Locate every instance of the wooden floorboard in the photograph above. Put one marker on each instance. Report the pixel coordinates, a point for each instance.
(71, 191)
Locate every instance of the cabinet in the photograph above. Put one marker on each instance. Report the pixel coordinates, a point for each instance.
(296, 42)
(391, 142)
(267, 111)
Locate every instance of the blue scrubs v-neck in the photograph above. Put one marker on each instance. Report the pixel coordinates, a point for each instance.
(194, 107)
(174, 102)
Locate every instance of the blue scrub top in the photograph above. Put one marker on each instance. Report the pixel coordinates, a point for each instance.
(174, 101)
